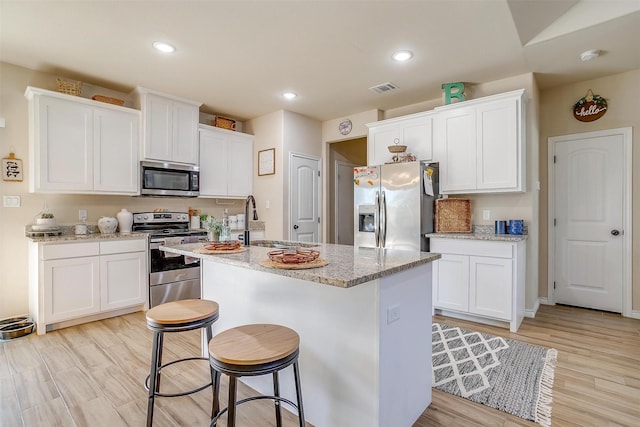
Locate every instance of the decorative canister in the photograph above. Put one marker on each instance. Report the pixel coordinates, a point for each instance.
(516, 226)
(125, 220)
(107, 224)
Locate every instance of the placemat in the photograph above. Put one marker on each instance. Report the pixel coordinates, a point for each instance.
(220, 252)
(320, 262)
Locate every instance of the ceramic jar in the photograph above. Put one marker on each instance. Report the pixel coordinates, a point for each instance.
(107, 224)
(125, 220)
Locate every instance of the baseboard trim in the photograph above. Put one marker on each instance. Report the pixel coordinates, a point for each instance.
(544, 300)
(635, 314)
(532, 312)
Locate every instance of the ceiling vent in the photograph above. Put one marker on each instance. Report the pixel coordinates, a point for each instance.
(383, 87)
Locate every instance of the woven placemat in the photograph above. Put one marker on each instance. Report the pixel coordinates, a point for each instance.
(220, 252)
(320, 262)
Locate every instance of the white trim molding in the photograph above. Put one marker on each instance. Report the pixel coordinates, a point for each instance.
(528, 312)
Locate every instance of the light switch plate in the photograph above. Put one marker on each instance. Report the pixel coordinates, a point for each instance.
(11, 201)
(486, 214)
(82, 214)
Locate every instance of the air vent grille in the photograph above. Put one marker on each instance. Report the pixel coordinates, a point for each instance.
(383, 87)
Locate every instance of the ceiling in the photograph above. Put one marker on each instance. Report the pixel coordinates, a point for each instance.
(237, 57)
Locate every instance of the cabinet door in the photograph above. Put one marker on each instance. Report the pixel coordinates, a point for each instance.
(158, 128)
(63, 146)
(451, 282)
(498, 146)
(185, 133)
(123, 280)
(240, 164)
(490, 287)
(213, 163)
(116, 135)
(457, 150)
(417, 135)
(71, 288)
(380, 138)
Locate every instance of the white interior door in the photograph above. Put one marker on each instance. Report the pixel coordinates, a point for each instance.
(589, 227)
(344, 202)
(304, 198)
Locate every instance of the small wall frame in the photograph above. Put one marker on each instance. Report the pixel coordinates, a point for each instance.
(267, 162)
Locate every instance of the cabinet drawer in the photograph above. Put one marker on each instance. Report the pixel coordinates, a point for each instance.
(472, 247)
(69, 250)
(123, 246)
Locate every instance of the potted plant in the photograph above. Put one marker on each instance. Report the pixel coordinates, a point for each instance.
(212, 225)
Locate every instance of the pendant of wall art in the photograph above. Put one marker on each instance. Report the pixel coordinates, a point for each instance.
(590, 107)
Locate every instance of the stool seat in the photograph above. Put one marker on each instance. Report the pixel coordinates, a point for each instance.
(254, 344)
(183, 311)
(252, 350)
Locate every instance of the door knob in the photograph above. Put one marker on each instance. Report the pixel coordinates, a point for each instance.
(295, 227)
(615, 232)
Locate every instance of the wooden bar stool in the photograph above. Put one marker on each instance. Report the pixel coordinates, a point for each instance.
(177, 316)
(252, 350)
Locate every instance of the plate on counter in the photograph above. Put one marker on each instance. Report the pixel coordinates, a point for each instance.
(318, 262)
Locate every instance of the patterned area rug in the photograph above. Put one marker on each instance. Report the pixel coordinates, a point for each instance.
(508, 375)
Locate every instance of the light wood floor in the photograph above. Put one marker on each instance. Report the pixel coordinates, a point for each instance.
(91, 375)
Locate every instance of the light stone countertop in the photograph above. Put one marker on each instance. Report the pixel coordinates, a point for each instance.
(479, 236)
(348, 265)
(87, 237)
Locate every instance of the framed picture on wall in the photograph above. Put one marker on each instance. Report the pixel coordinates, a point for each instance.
(267, 162)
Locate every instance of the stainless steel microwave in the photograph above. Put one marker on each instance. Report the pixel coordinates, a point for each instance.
(169, 179)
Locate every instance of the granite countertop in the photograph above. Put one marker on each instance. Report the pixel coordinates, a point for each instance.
(348, 265)
(87, 237)
(480, 236)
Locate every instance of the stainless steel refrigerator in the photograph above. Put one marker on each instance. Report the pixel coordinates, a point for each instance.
(394, 205)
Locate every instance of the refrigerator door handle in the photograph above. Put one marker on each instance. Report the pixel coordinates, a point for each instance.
(376, 217)
(383, 220)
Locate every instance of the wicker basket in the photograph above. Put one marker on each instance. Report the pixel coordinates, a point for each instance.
(224, 123)
(108, 100)
(69, 87)
(453, 216)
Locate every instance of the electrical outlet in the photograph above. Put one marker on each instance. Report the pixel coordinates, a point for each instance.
(82, 214)
(267, 204)
(486, 214)
(393, 313)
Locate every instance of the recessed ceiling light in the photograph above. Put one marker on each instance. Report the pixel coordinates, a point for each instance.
(164, 47)
(588, 55)
(289, 95)
(402, 55)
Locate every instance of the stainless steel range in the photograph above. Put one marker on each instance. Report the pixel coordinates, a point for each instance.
(172, 277)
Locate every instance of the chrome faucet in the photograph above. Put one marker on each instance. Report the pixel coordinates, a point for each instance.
(246, 217)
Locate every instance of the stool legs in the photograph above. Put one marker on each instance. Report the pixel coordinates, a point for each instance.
(296, 374)
(154, 379)
(276, 392)
(231, 419)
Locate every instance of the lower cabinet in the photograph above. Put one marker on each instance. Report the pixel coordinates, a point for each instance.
(483, 280)
(83, 281)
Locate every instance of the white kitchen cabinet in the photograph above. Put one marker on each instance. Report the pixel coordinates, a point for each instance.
(481, 145)
(77, 145)
(415, 131)
(170, 127)
(123, 273)
(480, 280)
(226, 163)
(78, 281)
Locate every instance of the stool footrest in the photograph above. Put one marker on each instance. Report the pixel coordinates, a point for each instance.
(184, 393)
(249, 399)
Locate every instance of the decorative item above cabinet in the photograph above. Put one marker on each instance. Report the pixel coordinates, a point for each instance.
(77, 145)
(480, 145)
(170, 127)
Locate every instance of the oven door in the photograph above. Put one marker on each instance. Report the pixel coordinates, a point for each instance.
(174, 285)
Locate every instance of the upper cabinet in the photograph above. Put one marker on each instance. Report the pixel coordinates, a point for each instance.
(170, 127)
(226, 163)
(415, 131)
(77, 145)
(480, 145)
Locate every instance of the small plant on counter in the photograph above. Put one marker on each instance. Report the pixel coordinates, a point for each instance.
(211, 224)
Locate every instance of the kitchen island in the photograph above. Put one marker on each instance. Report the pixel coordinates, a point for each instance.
(364, 322)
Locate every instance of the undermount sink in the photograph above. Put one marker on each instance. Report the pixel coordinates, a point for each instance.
(278, 244)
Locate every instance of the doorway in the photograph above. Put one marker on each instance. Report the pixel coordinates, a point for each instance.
(304, 208)
(343, 156)
(590, 220)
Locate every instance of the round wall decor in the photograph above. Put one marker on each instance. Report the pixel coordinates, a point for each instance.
(590, 107)
(345, 127)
